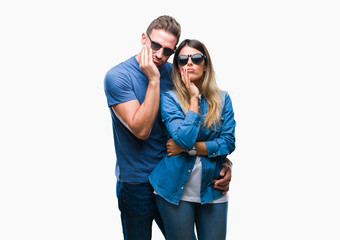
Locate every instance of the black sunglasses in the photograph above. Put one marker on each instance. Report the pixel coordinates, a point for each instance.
(196, 58)
(156, 46)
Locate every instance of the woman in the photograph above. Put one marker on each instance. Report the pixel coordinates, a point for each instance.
(200, 120)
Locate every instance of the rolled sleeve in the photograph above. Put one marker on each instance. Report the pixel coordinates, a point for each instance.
(183, 128)
(212, 148)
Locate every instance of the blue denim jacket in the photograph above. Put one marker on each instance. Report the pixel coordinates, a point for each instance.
(172, 174)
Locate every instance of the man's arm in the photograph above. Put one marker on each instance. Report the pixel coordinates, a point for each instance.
(141, 117)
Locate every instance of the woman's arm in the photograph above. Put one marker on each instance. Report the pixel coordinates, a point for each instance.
(174, 149)
(225, 173)
(201, 149)
(183, 128)
(220, 146)
(224, 144)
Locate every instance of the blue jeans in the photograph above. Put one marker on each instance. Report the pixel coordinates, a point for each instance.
(179, 220)
(137, 205)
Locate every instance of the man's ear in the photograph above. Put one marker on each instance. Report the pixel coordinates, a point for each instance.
(143, 38)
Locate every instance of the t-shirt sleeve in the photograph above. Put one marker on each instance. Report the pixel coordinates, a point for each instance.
(118, 87)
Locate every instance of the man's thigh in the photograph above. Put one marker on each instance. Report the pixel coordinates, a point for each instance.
(138, 209)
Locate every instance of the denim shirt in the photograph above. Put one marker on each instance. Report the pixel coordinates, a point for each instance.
(171, 175)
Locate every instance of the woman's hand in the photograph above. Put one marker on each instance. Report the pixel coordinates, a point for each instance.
(192, 90)
(191, 87)
(172, 148)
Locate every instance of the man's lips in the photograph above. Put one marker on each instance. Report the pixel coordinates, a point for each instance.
(156, 60)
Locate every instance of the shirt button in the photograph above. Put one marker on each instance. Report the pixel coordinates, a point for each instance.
(213, 153)
(182, 187)
(189, 170)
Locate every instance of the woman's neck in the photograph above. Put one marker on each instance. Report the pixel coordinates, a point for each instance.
(198, 84)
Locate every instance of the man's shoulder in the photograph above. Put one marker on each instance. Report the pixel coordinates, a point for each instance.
(122, 67)
(122, 71)
(166, 67)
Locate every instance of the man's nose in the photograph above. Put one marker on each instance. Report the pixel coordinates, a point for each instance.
(159, 53)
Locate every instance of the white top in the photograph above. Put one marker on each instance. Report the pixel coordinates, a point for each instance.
(192, 191)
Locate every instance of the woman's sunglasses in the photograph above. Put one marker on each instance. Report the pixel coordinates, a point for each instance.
(196, 58)
(156, 46)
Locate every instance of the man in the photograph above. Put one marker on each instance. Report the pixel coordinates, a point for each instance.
(133, 90)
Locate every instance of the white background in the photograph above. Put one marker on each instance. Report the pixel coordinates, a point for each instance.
(279, 60)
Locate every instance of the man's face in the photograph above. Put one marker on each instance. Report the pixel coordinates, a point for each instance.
(162, 43)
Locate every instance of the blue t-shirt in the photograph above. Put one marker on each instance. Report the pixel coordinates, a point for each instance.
(135, 158)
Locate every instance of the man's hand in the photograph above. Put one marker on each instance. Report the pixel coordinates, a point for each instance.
(148, 66)
(223, 183)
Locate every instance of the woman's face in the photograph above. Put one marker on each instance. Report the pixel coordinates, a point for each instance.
(195, 71)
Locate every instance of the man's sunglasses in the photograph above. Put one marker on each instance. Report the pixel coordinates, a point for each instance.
(156, 46)
(196, 58)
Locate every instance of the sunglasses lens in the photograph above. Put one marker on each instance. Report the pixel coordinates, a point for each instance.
(197, 58)
(167, 52)
(182, 60)
(155, 46)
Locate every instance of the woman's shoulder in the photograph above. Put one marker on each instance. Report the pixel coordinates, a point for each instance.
(170, 94)
(224, 94)
(225, 99)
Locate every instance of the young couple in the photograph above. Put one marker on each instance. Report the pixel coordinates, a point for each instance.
(173, 129)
